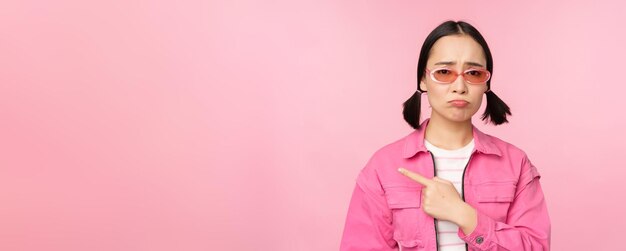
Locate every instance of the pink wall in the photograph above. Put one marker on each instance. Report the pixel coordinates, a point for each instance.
(230, 125)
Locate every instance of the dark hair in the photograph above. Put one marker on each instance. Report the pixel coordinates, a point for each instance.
(496, 109)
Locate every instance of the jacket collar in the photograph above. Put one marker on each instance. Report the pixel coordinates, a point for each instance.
(414, 142)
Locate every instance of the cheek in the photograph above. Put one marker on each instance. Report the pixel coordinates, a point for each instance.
(436, 94)
(477, 93)
(478, 101)
(435, 99)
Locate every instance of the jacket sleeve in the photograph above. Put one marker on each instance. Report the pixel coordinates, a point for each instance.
(527, 226)
(368, 222)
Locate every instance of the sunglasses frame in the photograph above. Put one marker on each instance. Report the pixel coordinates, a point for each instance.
(431, 73)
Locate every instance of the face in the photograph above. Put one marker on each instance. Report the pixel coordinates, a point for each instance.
(458, 53)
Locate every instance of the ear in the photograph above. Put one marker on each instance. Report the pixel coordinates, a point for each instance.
(423, 86)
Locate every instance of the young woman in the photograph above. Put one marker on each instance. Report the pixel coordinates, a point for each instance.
(447, 185)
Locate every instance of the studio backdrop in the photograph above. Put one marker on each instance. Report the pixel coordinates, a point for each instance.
(242, 125)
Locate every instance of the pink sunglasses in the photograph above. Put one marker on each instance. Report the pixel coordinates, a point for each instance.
(446, 75)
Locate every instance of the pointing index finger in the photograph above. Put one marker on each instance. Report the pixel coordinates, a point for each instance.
(416, 177)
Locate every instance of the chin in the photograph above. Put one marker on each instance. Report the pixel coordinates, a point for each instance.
(459, 120)
(460, 117)
(455, 116)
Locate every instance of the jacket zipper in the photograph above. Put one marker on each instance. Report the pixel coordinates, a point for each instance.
(462, 192)
(463, 185)
(435, 220)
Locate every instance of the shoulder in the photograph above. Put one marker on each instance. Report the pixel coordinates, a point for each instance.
(392, 150)
(516, 157)
(508, 149)
(386, 157)
(525, 170)
(383, 164)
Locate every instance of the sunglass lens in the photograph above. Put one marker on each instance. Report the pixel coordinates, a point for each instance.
(476, 76)
(444, 75)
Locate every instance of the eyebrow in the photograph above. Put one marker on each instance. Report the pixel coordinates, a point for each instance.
(453, 63)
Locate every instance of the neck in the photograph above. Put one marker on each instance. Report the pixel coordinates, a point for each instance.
(448, 134)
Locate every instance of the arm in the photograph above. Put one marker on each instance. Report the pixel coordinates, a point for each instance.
(368, 223)
(527, 226)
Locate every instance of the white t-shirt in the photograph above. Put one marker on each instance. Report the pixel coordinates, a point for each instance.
(449, 165)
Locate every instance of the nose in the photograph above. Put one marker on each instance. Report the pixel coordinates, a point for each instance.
(459, 85)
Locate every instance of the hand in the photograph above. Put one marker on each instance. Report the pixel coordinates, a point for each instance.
(440, 200)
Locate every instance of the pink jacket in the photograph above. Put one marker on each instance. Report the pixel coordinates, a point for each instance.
(499, 181)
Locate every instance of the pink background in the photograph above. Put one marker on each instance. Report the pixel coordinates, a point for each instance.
(232, 125)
